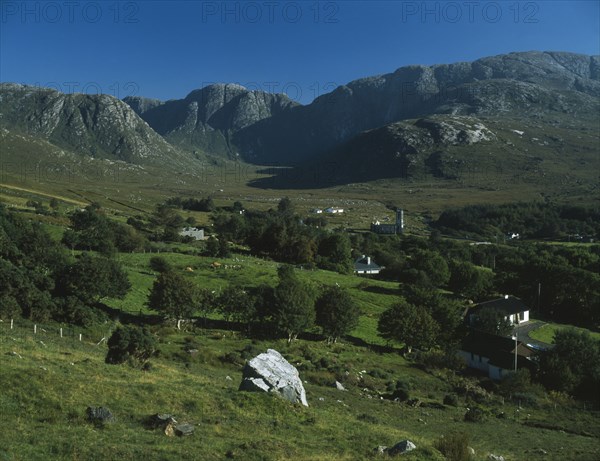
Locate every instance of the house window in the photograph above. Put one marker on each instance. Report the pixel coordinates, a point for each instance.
(480, 359)
(472, 356)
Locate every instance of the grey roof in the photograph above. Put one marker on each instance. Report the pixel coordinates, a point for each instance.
(361, 265)
(507, 305)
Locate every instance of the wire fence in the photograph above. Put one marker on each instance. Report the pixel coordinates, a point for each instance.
(22, 328)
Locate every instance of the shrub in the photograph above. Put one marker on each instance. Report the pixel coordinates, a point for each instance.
(378, 373)
(400, 394)
(159, 264)
(438, 359)
(320, 378)
(454, 446)
(251, 351)
(474, 415)
(130, 344)
(451, 399)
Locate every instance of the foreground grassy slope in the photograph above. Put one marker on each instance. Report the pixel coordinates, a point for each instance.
(45, 394)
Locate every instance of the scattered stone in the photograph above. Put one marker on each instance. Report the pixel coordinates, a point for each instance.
(401, 447)
(161, 420)
(192, 351)
(493, 457)
(321, 399)
(228, 378)
(99, 415)
(541, 451)
(270, 372)
(381, 450)
(183, 430)
(170, 430)
(471, 451)
(339, 386)
(414, 402)
(14, 354)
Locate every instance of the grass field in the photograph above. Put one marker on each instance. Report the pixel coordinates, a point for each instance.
(373, 296)
(45, 394)
(546, 332)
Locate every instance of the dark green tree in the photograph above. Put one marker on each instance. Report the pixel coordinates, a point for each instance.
(159, 264)
(130, 344)
(9, 307)
(410, 325)
(236, 304)
(174, 296)
(573, 365)
(469, 280)
(492, 321)
(294, 304)
(337, 313)
(335, 253)
(285, 207)
(93, 278)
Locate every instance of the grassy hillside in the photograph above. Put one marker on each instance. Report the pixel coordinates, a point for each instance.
(47, 387)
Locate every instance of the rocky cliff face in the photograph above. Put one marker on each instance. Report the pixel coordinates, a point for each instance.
(99, 126)
(207, 117)
(531, 82)
(365, 122)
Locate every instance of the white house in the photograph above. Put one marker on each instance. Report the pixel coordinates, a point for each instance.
(512, 307)
(194, 232)
(366, 266)
(495, 355)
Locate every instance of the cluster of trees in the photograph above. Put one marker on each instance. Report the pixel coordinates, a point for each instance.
(284, 236)
(39, 281)
(530, 220)
(561, 283)
(287, 309)
(193, 204)
(92, 230)
(573, 365)
(423, 319)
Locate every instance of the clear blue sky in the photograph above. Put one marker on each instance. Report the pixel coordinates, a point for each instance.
(304, 48)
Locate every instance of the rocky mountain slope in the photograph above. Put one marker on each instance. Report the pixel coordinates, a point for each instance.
(96, 126)
(532, 83)
(206, 118)
(419, 121)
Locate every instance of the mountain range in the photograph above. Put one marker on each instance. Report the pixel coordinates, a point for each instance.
(513, 112)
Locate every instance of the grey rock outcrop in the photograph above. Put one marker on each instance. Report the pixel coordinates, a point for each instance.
(206, 118)
(99, 415)
(493, 457)
(98, 126)
(271, 372)
(525, 82)
(404, 446)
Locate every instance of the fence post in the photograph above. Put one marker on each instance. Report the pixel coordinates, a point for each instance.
(61, 332)
(34, 329)
(11, 324)
(79, 336)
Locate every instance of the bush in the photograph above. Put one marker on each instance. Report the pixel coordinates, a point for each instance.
(401, 394)
(251, 351)
(454, 446)
(438, 359)
(474, 415)
(320, 378)
(130, 344)
(159, 264)
(451, 399)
